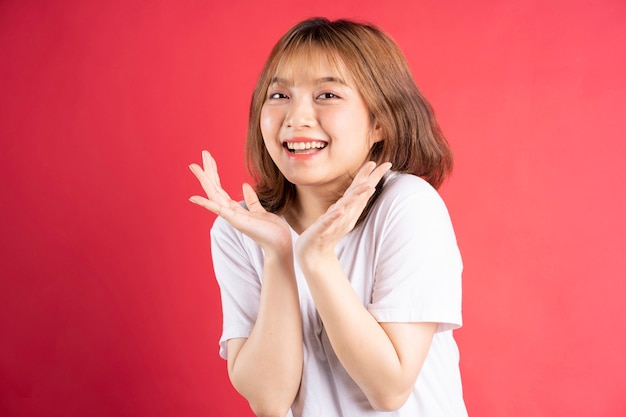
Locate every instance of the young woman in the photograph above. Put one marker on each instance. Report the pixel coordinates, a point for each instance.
(340, 275)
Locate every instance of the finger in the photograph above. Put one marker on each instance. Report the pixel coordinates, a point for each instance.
(367, 178)
(372, 173)
(329, 222)
(206, 203)
(364, 184)
(341, 217)
(211, 189)
(210, 167)
(227, 212)
(361, 176)
(354, 202)
(380, 171)
(251, 198)
(365, 171)
(209, 179)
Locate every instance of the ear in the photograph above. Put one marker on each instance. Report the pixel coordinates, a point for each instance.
(376, 133)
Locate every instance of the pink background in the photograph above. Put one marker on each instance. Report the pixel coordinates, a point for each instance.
(108, 304)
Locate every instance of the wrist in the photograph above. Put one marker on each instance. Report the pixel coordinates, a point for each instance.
(311, 260)
(279, 253)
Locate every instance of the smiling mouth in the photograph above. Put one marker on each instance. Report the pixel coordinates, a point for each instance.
(304, 147)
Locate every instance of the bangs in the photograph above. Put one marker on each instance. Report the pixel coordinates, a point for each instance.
(305, 58)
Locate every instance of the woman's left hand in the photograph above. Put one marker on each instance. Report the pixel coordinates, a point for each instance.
(323, 235)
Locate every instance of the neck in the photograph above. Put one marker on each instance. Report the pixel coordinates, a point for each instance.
(308, 206)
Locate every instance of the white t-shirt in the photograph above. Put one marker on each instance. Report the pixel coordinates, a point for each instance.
(403, 263)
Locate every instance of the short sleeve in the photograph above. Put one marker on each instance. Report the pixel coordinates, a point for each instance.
(236, 266)
(419, 268)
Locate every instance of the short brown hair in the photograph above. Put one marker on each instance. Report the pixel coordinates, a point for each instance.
(412, 139)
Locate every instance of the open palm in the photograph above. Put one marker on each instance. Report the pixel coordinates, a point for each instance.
(267, 229)
(323, 235)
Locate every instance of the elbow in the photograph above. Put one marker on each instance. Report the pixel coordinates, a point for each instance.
(389, 402)
(268, 410)
(267, 398)
(268, 404)
(272, 402)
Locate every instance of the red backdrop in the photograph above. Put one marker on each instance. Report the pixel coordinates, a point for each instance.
(108, 304)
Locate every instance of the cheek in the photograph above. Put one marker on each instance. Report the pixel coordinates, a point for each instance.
(355, 124)
(270, 129)
(269, 121)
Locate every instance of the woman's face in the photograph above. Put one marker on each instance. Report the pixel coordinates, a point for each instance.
(315, 124)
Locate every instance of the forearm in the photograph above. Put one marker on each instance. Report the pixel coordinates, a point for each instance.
(359, 341)
(268, 367)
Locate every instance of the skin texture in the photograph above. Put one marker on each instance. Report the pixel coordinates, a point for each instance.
(333, 186)
(267, 366)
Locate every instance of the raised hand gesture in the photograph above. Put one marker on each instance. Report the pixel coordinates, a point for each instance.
(323, 235)
(267, 229)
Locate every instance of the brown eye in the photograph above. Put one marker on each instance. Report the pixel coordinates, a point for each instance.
(326, 96)
(276, 96)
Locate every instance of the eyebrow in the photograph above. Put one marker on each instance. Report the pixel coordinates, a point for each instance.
(330, 79)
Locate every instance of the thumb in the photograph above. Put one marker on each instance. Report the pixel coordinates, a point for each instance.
(251, 199)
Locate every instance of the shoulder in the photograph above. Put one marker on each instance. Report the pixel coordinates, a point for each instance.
(409, 205)
(233, 252)
(407, 190)
(223, 234)
(222, 229)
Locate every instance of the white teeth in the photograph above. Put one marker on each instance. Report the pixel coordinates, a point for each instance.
(300, 146)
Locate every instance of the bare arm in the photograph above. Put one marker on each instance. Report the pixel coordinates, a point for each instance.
(384, 359)
(266, 367)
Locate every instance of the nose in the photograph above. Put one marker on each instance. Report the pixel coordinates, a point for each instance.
(301, 113)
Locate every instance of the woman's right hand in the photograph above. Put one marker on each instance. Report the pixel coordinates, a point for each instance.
(267, 229)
